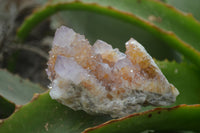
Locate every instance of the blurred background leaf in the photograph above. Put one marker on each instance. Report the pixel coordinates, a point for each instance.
(16, 89)
(167, 24)
(187, 6)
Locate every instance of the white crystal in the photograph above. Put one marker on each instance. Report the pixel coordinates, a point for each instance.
(120, 55)
(64, 37)
(68, 69)
(123, 63)
(101, 47)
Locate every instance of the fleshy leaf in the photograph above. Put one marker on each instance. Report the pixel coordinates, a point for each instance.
(182, 117)
(114, 31)
(187, 6)
(153, 16)
(16, 89)
(44, 114)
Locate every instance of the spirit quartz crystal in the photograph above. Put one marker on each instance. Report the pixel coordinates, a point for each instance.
(101, 80)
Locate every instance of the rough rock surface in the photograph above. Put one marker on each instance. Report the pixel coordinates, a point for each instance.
(100, 79)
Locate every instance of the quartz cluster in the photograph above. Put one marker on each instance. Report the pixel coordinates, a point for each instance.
(100, 79)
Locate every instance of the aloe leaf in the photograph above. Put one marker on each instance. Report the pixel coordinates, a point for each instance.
(140, 14)
(44, 114)
(169, 19)
(17, 90)
(183, 117)
(113, 31)
(187, 6)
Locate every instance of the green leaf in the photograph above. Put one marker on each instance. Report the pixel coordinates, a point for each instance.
(187, 6)
(169, 19)
(143, 13)
(113, 31)
(183, 117)
(17, 90)
(44, 114)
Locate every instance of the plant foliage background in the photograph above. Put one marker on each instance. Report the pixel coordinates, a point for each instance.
(168, 29)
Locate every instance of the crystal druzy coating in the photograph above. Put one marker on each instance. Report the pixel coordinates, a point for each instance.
(100, 79)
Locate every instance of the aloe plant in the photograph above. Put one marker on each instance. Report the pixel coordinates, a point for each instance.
(167, 32)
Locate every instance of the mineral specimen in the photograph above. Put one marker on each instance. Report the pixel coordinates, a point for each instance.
(100, 79)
